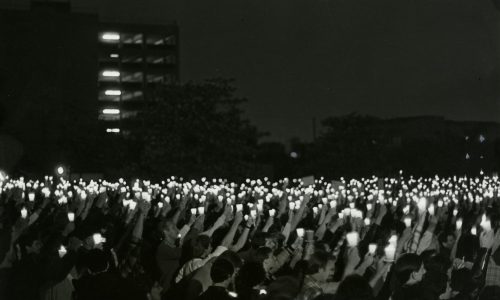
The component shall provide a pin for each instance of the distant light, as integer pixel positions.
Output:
(111, 36)
(111, 111)
(294, 155)
(110, 73)
(114, 55)
(112, 92)
(482, 138)
(113, 130)
(481, 157)
(467, 156)
(60, 170)
(3, 175)
(466, 137)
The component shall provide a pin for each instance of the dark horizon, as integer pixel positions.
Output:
(299, 60)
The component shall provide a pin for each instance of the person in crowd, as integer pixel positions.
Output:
(221, 273)
(408, 273)
(354, 287)
(384, 238)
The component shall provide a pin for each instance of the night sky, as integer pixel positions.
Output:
(299, 59)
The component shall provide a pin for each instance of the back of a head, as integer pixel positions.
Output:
(259, 240)
(354, 287)
(404, 267)
(461, 280)
(283, 288)
(233, 258)
(200, 245)
(250, 275)
(96, 261)
(490, 293)
(317, 261)
(221, 270)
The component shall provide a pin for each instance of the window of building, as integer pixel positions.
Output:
(132, 77)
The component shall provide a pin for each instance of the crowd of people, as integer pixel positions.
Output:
(369, 238)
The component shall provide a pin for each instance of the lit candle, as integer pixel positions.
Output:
(71, 217)
(24, 213)
(367, 222)
(62, 251)
(485, 223)
(272, 212)
(372, 248)
(473, 230)
(300, 232)
(390, 252)
(407, 222)
(239, 207)
(97, 238)
(333, 204)
(193, 211)
(431, 209)
(352, 239)
(201, 210)
(459, 224)
(31, 196)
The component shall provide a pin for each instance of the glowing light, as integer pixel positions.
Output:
(60, 170)
(372, 248)
(110, 36)
(110, 73)
(111, 111)
(114, 55)
(112, 92)
(113, 130)
(300, 232)
(352, 239)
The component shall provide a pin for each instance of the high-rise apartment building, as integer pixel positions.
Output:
(134, 60)
(68, 78)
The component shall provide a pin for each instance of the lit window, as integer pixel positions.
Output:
(482, 138)
(113, 130)
(110, 36)
(112, 92)
(110, 73)
(111, 111)
(114, 55)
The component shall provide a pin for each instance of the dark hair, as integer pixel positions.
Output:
(354, 287)
(262, 254)
(491, 292)
(200, 245)
(250, 275)
(461, 281)
(317, 261)
(404, 267)
(221, 270)
(96, 260)
(259, 240)
(233, 258)
(283, 288)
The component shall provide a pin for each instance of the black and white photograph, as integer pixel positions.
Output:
(249, 149)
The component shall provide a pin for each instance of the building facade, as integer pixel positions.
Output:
(69, 79)
(134, 60)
